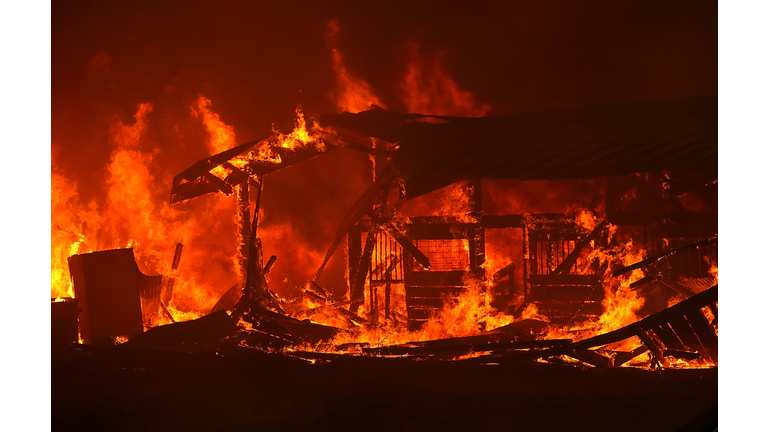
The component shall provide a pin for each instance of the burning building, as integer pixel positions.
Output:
(567, 251)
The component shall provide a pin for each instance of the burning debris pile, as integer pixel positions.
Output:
(604, 287)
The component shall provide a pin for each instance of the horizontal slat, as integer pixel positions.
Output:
(433, 278)
(566, 293)
(561, 309)
(433, 291)
(421, 312)
(564, 280)
(442, 231)
(436, 303)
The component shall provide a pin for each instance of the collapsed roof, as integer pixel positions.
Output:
(588, 142)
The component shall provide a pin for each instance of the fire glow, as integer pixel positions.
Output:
(134, 212)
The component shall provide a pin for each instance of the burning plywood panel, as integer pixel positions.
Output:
(113, 293)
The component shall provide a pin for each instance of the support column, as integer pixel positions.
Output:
(244, 230)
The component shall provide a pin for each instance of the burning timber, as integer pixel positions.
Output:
(429, 290)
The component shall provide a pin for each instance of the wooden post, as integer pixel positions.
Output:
(526, 263)
(354, 252)
(477, 242)
(166, 297)
(244, 216)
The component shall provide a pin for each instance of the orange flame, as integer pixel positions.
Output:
(353, 94)
(428, 89)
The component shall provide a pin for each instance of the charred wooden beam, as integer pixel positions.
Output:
(207, 164)
(704, 332)
(672, 284)
(667, 254)
(570, 260)
(683, 330)
(406, 243)
(591, 357)
(508, 270)
(320, 291)
(526, 264)
(167, 312)
(657, 350)
(667, 315)
(681, 354)
(362, 267)
(622, 358)
(168, 292)
(269, 264)
(236, 176)
(354, 253)
(362, 206)
(638, 283)
(444, 346)
(219, 184)
(668, 337)
(244, 218)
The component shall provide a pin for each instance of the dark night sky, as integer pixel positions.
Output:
(257, 60)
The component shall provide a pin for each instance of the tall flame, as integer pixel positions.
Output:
(353, 94)
(428, 89)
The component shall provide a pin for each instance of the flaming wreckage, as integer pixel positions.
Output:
(551, 309)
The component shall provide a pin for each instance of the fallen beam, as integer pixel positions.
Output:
(667, 254)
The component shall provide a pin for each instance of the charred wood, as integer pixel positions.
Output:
(504, 272)
(704, 332)
(667, 315)
(661, 256)
(570, 260)
(444, 346)
(354, 253)
(202, 334)
(591, 357)
(406, 243)
(681, 354)
(625, 357)
(360, 208)
(269, 264)
(657, 350)
(683, 329)
(168, 292)
(167, 312)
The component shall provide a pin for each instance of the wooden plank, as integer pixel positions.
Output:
(441, 231)
(436, 303)
(667, 315)
(562, 293)
(570, 260)
(564, 280)
(591, 357)
(418, 291)
(686, 334)
(509, 270)
(667, 254)
(519, 220)
(622, 358)
(406, 243)
(656, 349)
(421, 312)
(442, 346)
(361, 270)
(434, 278)
(354, 252)
(668, 337)
(704, 331)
